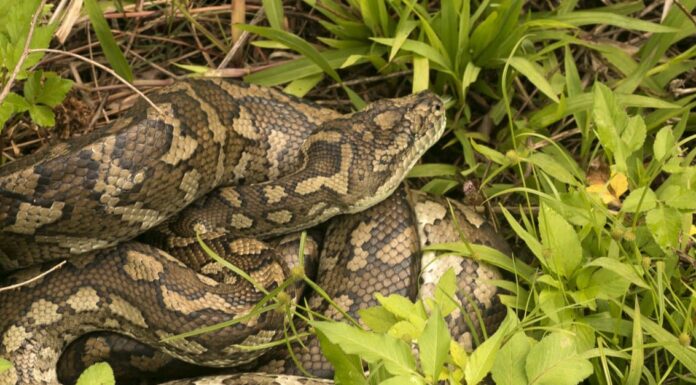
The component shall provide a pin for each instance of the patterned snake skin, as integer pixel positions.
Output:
(269, 164)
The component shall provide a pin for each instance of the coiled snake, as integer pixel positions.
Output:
(213, 157)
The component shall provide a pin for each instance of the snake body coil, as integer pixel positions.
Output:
(209, 157)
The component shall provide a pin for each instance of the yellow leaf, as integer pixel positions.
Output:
(692, 230)
(619, 184)
(604, 194)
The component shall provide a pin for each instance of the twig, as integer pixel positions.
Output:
(241, 41)
(686, 11)
(107, 69)
(24, 283)
(25, 53)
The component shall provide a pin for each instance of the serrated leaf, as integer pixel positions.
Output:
(445, 292)
(111, 49)
(508, 368)
(665, 225)
(434, 344)
(534, 74)
(639, 200)
(678, 197)
(404, 330)
(42, 115)
(395, 354)
(377, 318)
(97, 374)
(664, 143)
(560, 240)
(401, 307)
(634, 134)
(18, 102)
(53, 90)
(555, 361)
(609, 117)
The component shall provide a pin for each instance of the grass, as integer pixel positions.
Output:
(573, 119)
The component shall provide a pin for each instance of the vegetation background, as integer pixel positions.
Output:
(570, 124)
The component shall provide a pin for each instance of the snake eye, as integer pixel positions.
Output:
(438, 106)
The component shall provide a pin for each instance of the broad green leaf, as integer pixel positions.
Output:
(622, 269)
(609, 117)
(348, 368)
(295, 43)
(458, 354)
(377, 318)
(404, 330)
(18, 102)
(97, 374)
(402, 307)
(634, 134)
(32, 87)
(6, 112)
(639, 200)
(421, 74)
(434, 344)
(560, 240)
(602, 284)
(445, 292)
(665, 225)
(372, 347)
(4, 365)
(555, 361)
(508, 368)
(403, 380)
(111, 50)
(664, 143)
(274, 12)
(534, 74)
(481, 360)
(553, 168)
(678, 197)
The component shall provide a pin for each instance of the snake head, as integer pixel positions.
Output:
(392, 135)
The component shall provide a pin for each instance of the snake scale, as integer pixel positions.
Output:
(209, 156)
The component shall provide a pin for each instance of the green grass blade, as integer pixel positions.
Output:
(295, 43)
(581, 18)
(111, 50)
(274, 13)
(533, 73)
